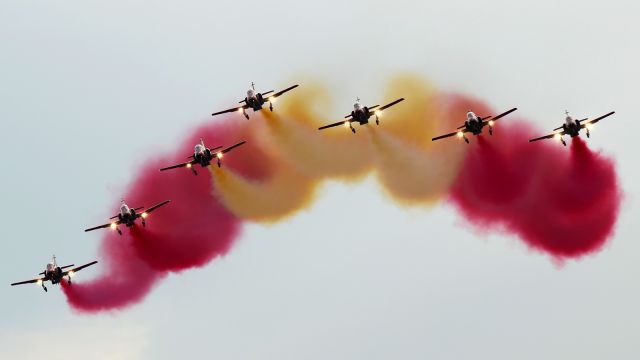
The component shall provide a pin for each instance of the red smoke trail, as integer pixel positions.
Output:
(194, 228)
(561, 201)
(125, 280)
(188, 232)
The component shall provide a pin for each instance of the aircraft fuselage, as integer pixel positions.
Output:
(474, 126)
(54, 275)
(204, 158)
(255, 101)
(362, 115)
(129, 218)
(572, 129)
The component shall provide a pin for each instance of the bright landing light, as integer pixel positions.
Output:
(589, 126)
(71, 273)
(219, 155)
(490, 122)
(189, 165)
(346, 124)
(240, 110)
(113, 225)
(272, 99)
(460, 134)
(144, 215)
(39, 282)
(557, 136)
(378, 113)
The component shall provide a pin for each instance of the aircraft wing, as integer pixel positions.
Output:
(237, 108)
(447, 135)
(264, 94)
(157, 206)
(550, 136)
(101, 226)
(390, 104)
(334, 124)
(283, 91)
(27, 281)
(503, 114)
(584, 124)
(80, 267)
(226, 150)
(178, 166)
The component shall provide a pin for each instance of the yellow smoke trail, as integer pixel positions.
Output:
(285, 192)
(332, 153)
(410, 174)
(415, 119)
(412, 169)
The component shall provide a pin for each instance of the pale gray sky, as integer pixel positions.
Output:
(90, 89)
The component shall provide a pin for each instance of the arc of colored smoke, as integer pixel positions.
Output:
(277, 173)
(411, 168)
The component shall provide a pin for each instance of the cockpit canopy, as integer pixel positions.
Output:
(51, 266)
(568, 120)
(124, 209)
(357, 106)
(198, 149)
(251, 93)
(471, 116)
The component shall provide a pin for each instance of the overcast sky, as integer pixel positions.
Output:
(89, 89)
